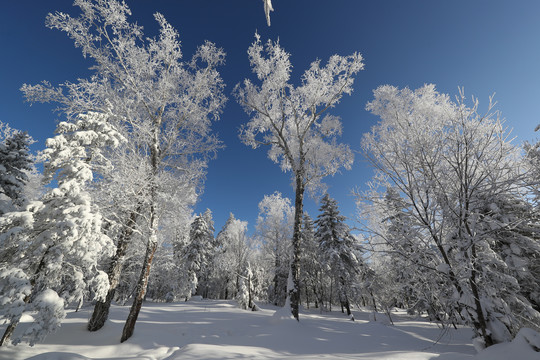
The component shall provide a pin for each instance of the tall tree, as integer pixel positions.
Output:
(59, 239)
(291, 121)
(450, 166)
(337, 247)
(200, 251)
(163, 103)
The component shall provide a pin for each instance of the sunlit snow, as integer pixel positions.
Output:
(210, 329)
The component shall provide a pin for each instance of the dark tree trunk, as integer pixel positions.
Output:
(276, 278)
(101, 309)
(294, 293)
(250, 300)
(129, 327)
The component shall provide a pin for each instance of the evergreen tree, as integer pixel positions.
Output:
(15, 162)
(337, 247)
(61, 239)
(311, 276)
(199, 252)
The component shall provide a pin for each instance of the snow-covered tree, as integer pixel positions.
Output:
(337, 247)
(274, 233)
(59, 240)
(199, 252)
(312, 271)
(234, 255)
(245, 289)
(291, 121)
(164, 104)
(451, 166)
(15, 163)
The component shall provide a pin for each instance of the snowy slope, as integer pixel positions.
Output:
(219, 330)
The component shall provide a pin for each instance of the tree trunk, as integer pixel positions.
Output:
(129, 327)
(294, 293)
(480, 322)
(11, 327)
(276, 278)
(101, 309)
(344, 298)
(151, 247)
(250, 300)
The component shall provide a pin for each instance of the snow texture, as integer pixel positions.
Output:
(197, 330)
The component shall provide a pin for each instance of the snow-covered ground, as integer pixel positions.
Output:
(203, 329)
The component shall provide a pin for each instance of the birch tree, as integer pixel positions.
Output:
(166, 104)
(454, 168)
(293, 122)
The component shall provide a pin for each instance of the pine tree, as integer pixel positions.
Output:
(311, 276)
(274, 232)
(61, 244)
(199, 252)
(15, 162)
(337, 247)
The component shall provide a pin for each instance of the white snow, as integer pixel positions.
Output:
(204, 329)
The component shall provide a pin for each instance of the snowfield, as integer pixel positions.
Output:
(208, 329)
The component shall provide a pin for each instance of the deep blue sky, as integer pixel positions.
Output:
(486, 46)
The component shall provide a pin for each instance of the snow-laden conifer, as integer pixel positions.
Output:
(337, 247)
(200, 250)
(15, 164)
(60, 238)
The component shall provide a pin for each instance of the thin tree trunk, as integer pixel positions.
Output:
(250, 301)
(294, 293)
(152, 244)
(480, 322)
(101, 309)
(11, 327)
(142, 284)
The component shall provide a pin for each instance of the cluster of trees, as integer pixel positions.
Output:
(450, 220)
(126, 167)
(452, 213)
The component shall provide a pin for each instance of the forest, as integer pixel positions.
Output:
(448, 227)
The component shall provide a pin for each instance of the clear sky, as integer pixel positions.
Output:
(486, 46)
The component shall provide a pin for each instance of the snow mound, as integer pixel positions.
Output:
(525, 346)
(282, 314)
